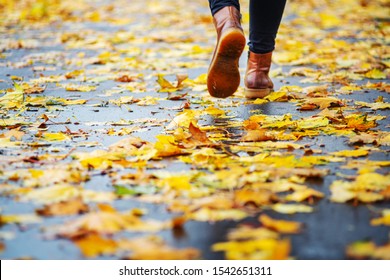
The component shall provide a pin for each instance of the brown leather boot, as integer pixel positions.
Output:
(223, 77)
(257, 82)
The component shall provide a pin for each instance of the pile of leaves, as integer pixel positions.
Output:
(102, 104)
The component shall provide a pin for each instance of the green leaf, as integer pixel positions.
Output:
(146, 189)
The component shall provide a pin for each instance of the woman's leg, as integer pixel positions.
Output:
(265, 17)
(223, 76)
(264, 21)
(216, 5)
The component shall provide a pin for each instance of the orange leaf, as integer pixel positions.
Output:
(198, 135)
(125, 79)
(258, 197)
(93, 245)
(256, 136)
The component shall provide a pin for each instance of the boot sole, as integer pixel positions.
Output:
(253, 93)
(223, 77)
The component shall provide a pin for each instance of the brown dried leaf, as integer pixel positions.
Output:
(125, 79)
(198, 135)
(69, 207)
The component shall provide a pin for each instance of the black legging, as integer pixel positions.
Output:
(264, 21)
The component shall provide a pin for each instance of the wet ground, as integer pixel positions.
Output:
(156, 40)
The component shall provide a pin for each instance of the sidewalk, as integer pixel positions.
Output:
(112, 148)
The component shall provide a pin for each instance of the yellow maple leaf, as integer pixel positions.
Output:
(56, 136)
(12, 99)
(73, 102)
(311, 123)
(375, 74)
(360, 249)
(7, 143)
(258, 101)
(324, 102)
(372, 181)
(147, 101)
(94, 245)
(166, 147)
(368, 197)
(166, 86)
(302, 195)
(291, 208)
(329, 20)
(214, 111)
(360, 122)
(73, 74)
(175, 181)
(245, 232)
(19, 219)
(12, 122)
(276, 96)
(81, 88)
(258, 197)
(213, 215)
(375, 105)
(183, 119)
(341, 191)
(366, 188)
(281, 226)
(256, 249)
(285, 57)
(64, 192)
(368, 250)
(351, 153)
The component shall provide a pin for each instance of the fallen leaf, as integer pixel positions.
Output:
(302, 195)
(323, 102)
(211, 215)
(57, 136)
(105, 221)
(12, 99)
(281, 226)
(351, 153)
(70, 207)
(368, 250)
(366, 188)
(94, 245)
(258, 197)
(166, 147)
(198, 135)
(375, 74)
(19, 219)
(291, 208)
(65, 192)
(81, 88)
(384, 220)
(375, 106)
(153, 248)
(256, 136)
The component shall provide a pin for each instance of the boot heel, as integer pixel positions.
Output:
(256, 93)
